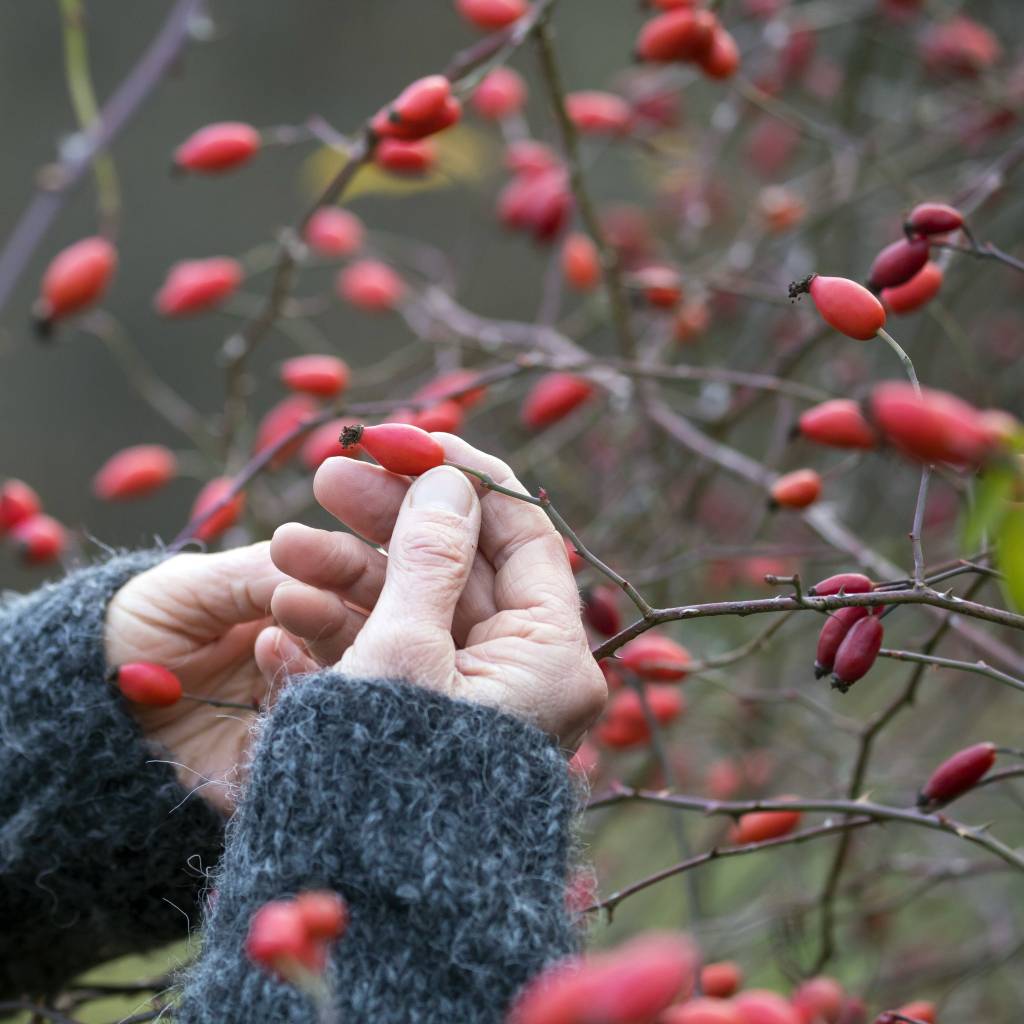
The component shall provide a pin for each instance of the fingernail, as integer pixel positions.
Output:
(444, 488)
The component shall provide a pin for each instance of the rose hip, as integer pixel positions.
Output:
(491, 14)
(216, 494)
(334, 232)
(798, 489)
(194, 286)
(898, 263)
(656, 658)
(500, 94)
(553, 397)
(371, 286)
(721, 980)
(857, 652)
(933, 219)
(843, 304)
(76, 278)
(283, 421)
(838, 423)
(143, 682)
(601, 610)
(915, 293)
(758, 826)
(39, 539)
(398, 447)
(135, 472)
(323, 375)
(218, 147)
(18, 502)
(956, 775)
(832, 634)
(842, 583)
(581, 263)
(411, 157)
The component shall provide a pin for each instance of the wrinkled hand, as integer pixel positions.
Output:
(199, 615)
(474, 599)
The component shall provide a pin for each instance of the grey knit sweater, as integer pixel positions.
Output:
(445, 825)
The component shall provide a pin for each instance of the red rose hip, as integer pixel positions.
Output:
(798, 489)
(843, 304)
(398, 447)
(832, 634)
(143, 682)
(656, 658)
(898, 263)
(221, 508)
(135, 472)
(322, 375)
(194, 286)
(857, 652)
(76, 278)
(218, 147)
(838, 423)
(18, 502)
(956, 775)
(553, 397)
(39, 539)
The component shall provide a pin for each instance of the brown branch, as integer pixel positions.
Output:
(617, 301)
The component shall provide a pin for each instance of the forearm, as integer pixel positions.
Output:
(101, 849)
(444, 824)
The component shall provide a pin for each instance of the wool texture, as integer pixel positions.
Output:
(444, 824)
(101, 854)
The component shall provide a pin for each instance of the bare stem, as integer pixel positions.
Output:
(904, 358)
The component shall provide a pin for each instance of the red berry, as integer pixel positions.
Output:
(819, 1001)
(143, 682)
(959, 46)
(576, 560)
(721, 980)
(491, 14)
(656, 658)
(847, 306)
(843, 582)
(39, 539)
(581, 263)
(400, 156)
(898, 263)
(553, 397)
(134, 472)
(371, 286)
(933, 426)
(838, 423)
(599, 113)
(758, 826)
(681, 34)
(920, 1010)
(218, 147)
(284, 420)
(956, 775)
(933, 219)
(446, 385)
(702, 1011)
(279, 942)
(913, 294)
(832, 634)
(798, 489)
(323, 913)
(422, 100)
(625, 725)
(334, 232)
(445, 417)
(760, 1006)
(528, 156)
(857, 652)
(193, 286)
(500, 94)
(691, 321)
(215, 494)
(601, 610)
(326, 376)
(398, 447)
(76, 278)
(659, 285)
(722, 60)
(322, 444)
(424, 107)
(538, 203)
(18, 502)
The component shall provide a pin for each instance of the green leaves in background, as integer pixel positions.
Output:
(997, 516)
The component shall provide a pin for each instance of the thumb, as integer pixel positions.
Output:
(430, 556)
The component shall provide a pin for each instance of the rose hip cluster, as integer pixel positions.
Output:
(658, 978)
(38, 538)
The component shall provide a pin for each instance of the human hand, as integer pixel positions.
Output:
(475, 597)
(199, 615)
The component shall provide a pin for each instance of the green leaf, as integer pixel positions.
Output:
(1011, 555)
(990, 505)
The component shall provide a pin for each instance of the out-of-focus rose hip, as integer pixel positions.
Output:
(218, 147)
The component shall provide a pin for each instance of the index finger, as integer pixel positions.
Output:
(516, 537)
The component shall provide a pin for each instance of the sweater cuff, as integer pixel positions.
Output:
(446, 825)
(101, 853)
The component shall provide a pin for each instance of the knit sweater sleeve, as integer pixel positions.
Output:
(444, 824)
(101, 853)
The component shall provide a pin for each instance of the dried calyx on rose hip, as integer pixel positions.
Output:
(956, 775)
(398, 447)
(144, 682)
